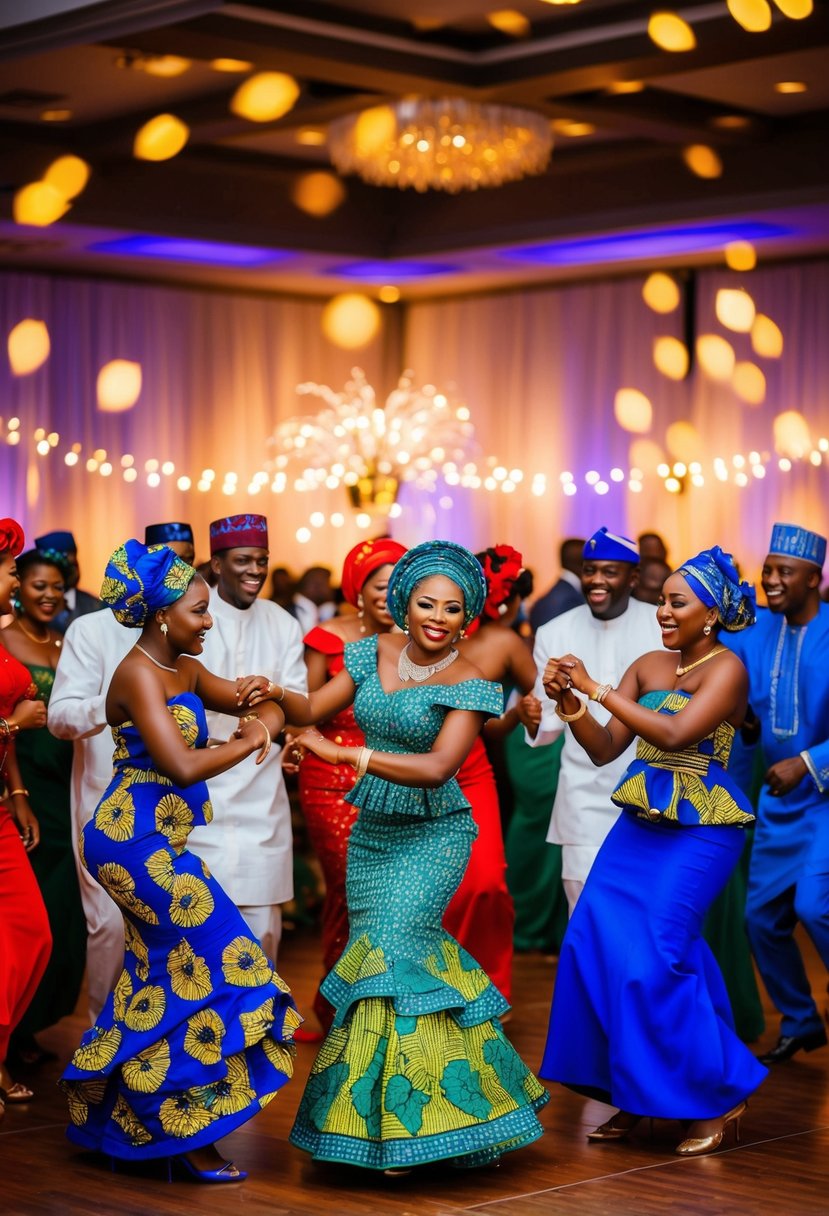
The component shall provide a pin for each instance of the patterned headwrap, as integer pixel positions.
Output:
(436, 557)
(502, 566)
(362, 561)
(12, 539)
(713, 578)
(140, 580)
(238, 532)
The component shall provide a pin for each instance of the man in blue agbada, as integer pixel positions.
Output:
(786, 655)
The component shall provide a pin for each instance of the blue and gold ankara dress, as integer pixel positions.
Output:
(416, 1067)
(641, 1017)
(195, 1037)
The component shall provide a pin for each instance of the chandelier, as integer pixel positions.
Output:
(441, 144)
(370, 448)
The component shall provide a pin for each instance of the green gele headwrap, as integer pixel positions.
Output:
(431, 558)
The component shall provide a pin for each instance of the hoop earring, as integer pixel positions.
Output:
(361, 613)
(164, 627)
(706, 630)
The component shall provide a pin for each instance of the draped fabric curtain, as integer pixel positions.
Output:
(538, 369)
(219, 372)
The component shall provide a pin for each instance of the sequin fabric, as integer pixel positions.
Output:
(416, 1067)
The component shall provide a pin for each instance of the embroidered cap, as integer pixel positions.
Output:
(164, 534)
(790, 540)
(64, 542)
(606, 546)
(238, 532)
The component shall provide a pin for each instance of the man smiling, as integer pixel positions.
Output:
(249, 846)
(609, 632)
(785, 654)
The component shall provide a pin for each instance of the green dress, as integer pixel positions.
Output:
(416, 1067)
(46, 769)
(533, 865)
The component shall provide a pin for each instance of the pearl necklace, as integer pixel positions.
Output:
(163, 666)
(407, 669)
(681, 671)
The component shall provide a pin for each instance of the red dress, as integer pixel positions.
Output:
(481, 913)
(329, 818)
(25, 940)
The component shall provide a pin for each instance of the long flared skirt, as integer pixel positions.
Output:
(641, 1017)
(416, 1067)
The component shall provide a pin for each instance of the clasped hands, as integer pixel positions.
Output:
(567, 674)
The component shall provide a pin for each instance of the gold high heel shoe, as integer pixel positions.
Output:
(618, 1127)
(697, 1146)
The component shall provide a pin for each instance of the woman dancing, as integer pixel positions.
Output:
(194, 1039)
(416, 1067)
(25, 940)
(46, 770)
(323, 786)
(640, 1015)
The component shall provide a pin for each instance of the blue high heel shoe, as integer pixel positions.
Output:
(225, 1173)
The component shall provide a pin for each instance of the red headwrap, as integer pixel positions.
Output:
(363, 560)
(501, 571)
(11, 537)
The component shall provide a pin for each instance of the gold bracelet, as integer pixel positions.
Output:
(582, 710)
(14, 793)
(600, 692)
(258, 720)
(363, 757)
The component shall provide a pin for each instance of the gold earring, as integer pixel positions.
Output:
(361, 613)
(164, 628)
(706, 630)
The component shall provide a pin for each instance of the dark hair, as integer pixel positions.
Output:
(42, 557)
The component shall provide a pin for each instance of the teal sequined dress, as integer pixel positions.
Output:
(196, 1036)
(416, 1067)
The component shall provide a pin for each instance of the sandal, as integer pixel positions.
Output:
(16, 1092)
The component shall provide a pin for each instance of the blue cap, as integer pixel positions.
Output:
(789, 540)
(63, 542)
(164, 534)
(605, 546)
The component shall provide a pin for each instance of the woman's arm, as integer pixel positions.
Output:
(602, 743)
(138, 695)
(720, 696)
(320, 704)
(518, 669)
(27, 824)
(227, 696)
(427, 770)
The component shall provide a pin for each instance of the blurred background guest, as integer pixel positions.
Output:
(76, 602)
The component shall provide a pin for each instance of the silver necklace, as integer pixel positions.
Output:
(163, 666)
(408, 670)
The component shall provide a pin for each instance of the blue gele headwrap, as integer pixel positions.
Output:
(63, 542)
(790, 540)
(605, 546)
(436, 557)
(164, 534)
(713, 578)
(140, 580)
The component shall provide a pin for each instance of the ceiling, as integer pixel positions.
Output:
(615, 198)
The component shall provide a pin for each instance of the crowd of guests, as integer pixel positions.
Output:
(580, 777)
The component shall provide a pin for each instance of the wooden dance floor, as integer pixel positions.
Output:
(781, 1168)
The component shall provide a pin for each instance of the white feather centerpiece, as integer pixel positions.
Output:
(417, 434)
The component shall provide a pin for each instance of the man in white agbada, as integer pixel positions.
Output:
(249, 845)
(93, 647)
(609, 632)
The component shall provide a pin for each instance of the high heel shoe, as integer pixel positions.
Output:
(618, 1127)
(226, 1173)
(697, 1146)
